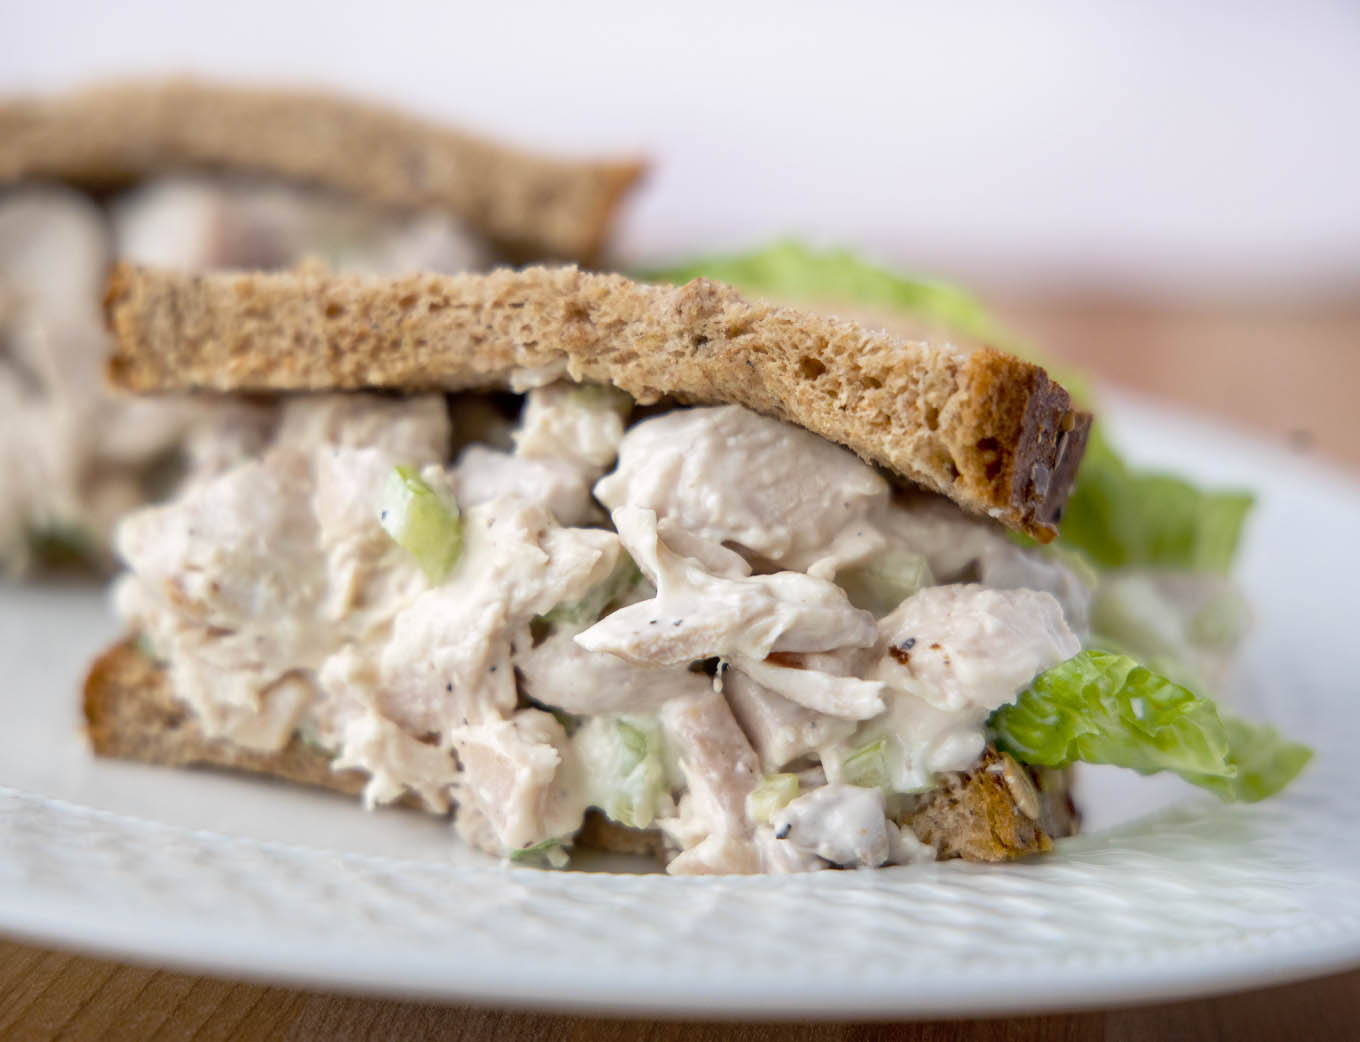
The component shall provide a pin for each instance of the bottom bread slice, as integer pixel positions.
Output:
(996, 811)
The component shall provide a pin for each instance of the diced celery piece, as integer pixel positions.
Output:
(421, 522)
(634, 742)
(868, 767)
(774, 791)
(590, 607)
(881, 584)
(625, 767)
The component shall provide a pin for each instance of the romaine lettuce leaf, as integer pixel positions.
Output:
(1121, 517)
(1099, 707)
(1266, 762)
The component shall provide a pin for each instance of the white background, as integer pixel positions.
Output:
(1173, 145)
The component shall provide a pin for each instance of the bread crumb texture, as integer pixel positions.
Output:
(989, 430)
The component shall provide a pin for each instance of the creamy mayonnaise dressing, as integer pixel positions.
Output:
(544, 673)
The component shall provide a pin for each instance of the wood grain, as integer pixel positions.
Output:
(1288, 371)
(47, 995)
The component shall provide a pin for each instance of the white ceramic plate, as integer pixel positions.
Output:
(247, 878)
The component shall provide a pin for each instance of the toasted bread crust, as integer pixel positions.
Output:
(600, 833)
(132, 714)
(528, 206)
(990, 431)
(995, 811)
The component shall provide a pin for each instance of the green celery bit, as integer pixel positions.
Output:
(590, 607)
(773, 792)
(634, 742)
(421, 522)
(625, 767)
(1100, 707)
(883, 583)
(868, 767)
(536, 853)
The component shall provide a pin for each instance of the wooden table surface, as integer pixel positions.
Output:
(1289, 371)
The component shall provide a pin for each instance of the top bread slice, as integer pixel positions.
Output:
(992, 432)
(528, 206)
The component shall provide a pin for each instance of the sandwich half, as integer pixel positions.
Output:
(201, 176)
(592, 562)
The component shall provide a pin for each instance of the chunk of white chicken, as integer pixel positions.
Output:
(824, 683)
(948, 656)
(556, 485)
(696, 614)
(396, 762)
(71, 455)
(728, 475)
(447, 661)
(520, 781)
(845, 825)
(200, 222)
(958, 548)
(229, 579)
(781, 731)
(413, 429)
(580, 424)
(962, 645)
(720, 770)
(277, 563)
(559, 672)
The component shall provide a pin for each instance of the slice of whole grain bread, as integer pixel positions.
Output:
(992, 432)
(132, 714)
(995, 811)
(527, 205)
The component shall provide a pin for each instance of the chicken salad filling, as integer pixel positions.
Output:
(706, 622)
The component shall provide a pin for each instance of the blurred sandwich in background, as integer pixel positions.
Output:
(200, 176)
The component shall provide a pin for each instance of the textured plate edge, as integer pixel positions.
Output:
(882, 999)
(1163, 975)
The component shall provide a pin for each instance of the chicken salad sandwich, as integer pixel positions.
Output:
(592, 562)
